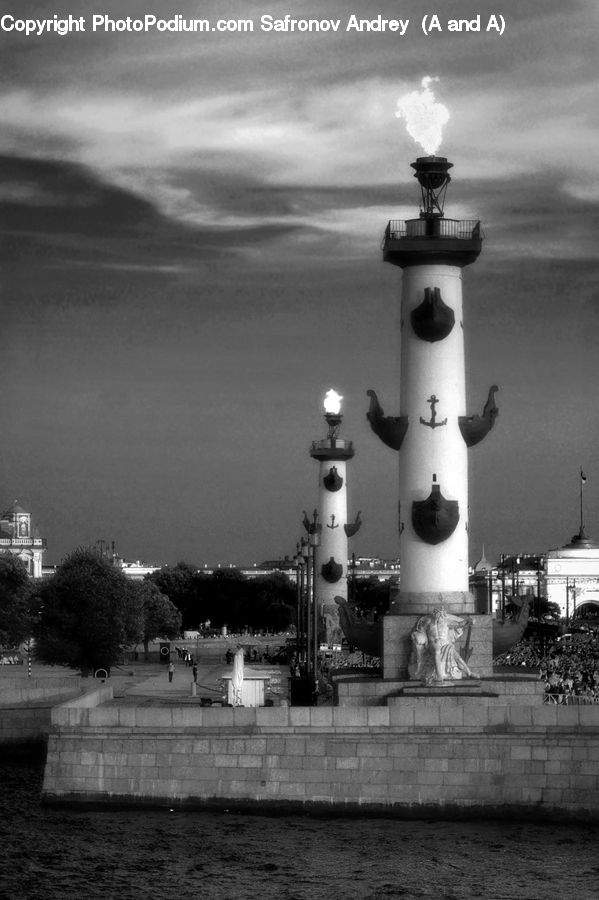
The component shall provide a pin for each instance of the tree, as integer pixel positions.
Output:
(227, 597)
(90, 613)
(273, 602)
(372, 597)
(540, 608)
(16, 614)
(161, 618)
(180, 584)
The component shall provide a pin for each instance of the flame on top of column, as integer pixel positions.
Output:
(424, 117)
(332, 402)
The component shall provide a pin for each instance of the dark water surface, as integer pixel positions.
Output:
(56, 854)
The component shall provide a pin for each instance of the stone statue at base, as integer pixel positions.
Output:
(435, 657)
(334, 632)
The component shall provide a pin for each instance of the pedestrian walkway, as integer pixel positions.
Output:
(148, 683)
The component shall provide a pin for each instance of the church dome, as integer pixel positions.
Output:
(483, 565)
(14, 510)
(579, 545)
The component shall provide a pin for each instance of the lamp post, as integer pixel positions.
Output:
(352, 584)
(503, 587)
(301, 636)
(314, 543)
(309, 545)
(297, 559)
(307, 591)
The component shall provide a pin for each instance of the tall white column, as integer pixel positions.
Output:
(433, 452)
(433, 449)
(432, 435)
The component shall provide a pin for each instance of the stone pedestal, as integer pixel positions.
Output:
(253, 689)
(460, 603)
(397, 645)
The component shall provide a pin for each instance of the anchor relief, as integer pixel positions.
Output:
(432, 422)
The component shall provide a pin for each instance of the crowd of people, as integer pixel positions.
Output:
(10, 659)
(568, 665)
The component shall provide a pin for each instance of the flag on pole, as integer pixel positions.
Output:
(583, 478)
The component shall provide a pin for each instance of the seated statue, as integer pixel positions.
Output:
(435, 657)
(334, 632)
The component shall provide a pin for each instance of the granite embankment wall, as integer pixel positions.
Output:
(26, 706)
(441, 756)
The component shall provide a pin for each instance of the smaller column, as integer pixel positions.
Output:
(332, 553)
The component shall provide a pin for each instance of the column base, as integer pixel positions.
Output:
(422, 602)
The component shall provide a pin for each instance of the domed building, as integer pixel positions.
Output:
(572, 577)
(567, 576)
(17, 536)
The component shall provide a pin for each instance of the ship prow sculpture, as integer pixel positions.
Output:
(510, 631)
(368, 636)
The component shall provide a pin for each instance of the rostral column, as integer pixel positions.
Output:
(333, 455)
(432, 434)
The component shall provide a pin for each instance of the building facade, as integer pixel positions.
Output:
(19, 538)
(567, 576)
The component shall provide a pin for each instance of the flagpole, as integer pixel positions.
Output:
(582, 481)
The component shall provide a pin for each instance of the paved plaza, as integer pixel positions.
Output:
(148, 683)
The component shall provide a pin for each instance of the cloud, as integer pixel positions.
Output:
(203, 132)
(61, 213)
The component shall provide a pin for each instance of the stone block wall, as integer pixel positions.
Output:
(28, 690)
(371, 691)
(26, 705)
(411, 757)
(23, 724)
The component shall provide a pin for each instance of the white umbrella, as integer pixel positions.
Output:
(237, 679)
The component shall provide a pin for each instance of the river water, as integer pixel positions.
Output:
(49, 853)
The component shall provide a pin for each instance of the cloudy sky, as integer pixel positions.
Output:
(191, 227)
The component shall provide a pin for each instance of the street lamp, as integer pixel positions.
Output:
(570, 592)
(313, 529)
(306, 606)
(300, 586)
(503, 587)
(352, 584)
(314, 540)
(539, 566)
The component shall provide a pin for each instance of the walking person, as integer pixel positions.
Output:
(171, 671)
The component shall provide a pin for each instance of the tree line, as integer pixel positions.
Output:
(88, 612)
(228, 597)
